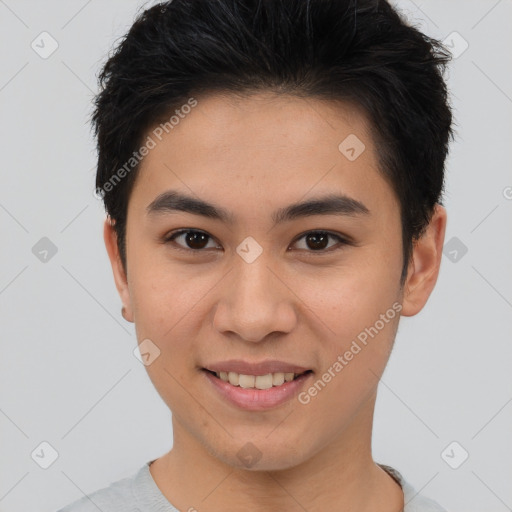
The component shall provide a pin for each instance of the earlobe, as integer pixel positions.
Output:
(121, 281)
(425, 263)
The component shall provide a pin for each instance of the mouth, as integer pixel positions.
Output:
(260, 382)
(256, 385)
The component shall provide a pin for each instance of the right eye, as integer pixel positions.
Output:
(194, 239)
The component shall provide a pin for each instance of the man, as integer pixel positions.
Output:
(272, 173)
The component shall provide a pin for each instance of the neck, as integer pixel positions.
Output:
(340, 471)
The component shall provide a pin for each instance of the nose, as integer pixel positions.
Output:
(255, 302)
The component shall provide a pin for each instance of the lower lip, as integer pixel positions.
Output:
(258, 399)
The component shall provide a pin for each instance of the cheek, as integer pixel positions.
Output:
(166, 303)
(351, 298)
(360, 306)
(352, 364)
(171, 309)
(162, 291)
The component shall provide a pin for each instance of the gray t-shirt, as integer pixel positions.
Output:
(139, 493)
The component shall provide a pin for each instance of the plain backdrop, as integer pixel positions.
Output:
(68, 376)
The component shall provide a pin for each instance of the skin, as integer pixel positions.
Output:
(253, 156)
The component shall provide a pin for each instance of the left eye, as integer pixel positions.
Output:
(316, 241)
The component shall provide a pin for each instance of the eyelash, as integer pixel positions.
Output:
(341, 240)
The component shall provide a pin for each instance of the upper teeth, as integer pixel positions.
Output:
(256, 381)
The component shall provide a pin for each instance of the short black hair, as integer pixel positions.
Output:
(362, 52)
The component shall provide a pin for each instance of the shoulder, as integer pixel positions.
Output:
(413, 500)
(117, 497)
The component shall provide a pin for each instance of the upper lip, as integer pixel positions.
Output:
(260, 368)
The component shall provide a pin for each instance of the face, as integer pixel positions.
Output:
(253, 277)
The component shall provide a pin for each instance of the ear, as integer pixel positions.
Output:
(110, 237)
(424, 266)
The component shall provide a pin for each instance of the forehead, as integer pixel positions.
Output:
(264, 145)
(228, 121)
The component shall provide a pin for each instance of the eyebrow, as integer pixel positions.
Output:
(172, 201)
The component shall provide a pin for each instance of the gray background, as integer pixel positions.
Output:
(68, 375)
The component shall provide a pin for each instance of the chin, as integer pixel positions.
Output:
(252, 454)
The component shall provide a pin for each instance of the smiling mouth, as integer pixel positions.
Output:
(270, 380)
